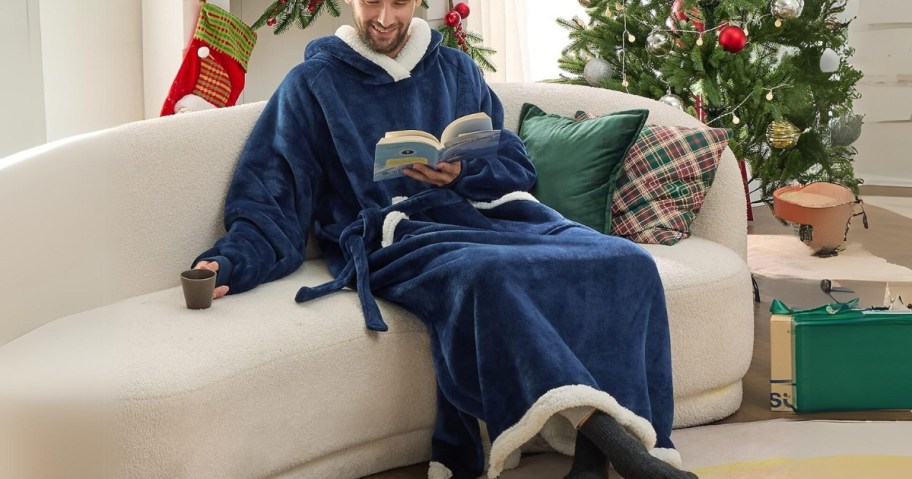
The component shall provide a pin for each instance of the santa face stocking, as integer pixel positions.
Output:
(212, 73)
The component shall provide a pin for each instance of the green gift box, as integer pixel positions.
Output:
(839, 357)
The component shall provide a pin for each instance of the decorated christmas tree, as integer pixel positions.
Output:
(774, 71)
(281, 15)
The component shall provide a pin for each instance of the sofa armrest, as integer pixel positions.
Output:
(112, 214)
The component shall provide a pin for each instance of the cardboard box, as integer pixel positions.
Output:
(840, 358)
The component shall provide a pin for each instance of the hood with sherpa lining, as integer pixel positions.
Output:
(377, 68)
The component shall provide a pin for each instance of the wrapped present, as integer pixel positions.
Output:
(840, 357)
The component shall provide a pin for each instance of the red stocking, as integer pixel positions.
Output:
(212, 74)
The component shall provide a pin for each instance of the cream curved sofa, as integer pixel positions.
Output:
(104, 373)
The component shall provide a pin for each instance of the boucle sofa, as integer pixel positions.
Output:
(103, 372)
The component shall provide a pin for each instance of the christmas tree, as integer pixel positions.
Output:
(774, 71)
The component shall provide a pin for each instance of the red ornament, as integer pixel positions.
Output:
(452, 18)
(462, 9)
(311, 7)
(732, 38)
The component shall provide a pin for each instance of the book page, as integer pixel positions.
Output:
(466, 124)
(401, 133)
(479, 144)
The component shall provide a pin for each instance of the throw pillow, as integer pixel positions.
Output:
(664, 180)
(578, 163)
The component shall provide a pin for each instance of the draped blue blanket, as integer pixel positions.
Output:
(528, 313)
(514, 314)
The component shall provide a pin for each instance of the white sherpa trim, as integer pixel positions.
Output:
(551, 403)
(437, 470)
(401, 67)
(671, 456)
(514, 196)
(190, 103)
(390, 222)
(398, 199)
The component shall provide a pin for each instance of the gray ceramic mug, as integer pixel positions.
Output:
(198, 285)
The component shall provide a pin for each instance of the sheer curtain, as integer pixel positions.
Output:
(528, 40)
(502, 24)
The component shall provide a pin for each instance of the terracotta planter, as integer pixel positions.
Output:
(825, 207)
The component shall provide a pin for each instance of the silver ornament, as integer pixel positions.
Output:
(586, 3)
(672, 100)
(597, 71)
(659, 42)
(845, 129)
(787, 9)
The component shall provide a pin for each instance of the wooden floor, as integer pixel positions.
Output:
(889, 237)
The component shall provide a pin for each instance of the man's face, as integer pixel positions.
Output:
(383, 24)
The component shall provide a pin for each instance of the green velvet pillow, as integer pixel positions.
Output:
(578, 163)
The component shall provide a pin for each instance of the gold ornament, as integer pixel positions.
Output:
(782, 134)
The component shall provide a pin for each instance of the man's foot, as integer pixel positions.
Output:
(626, 453)
(589, 462)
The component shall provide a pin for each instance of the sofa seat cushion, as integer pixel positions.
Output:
(710, 315)
(252, 386)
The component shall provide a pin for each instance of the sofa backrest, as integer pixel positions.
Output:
(100, 217)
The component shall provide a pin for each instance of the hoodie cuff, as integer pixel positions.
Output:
(225, 268)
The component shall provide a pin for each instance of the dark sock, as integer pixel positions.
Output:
(589, 462)
(626, 453)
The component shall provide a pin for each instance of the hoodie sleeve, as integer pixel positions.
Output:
(272, 194)
(485, 179)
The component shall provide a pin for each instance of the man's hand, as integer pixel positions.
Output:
(219, 291)
(445, 173)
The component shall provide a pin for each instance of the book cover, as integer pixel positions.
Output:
(467, 137)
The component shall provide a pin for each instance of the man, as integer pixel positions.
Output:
(533, 319)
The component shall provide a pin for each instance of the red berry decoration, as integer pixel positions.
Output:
(452, 19)
(311, 7)
(462, 9)
(732, 38)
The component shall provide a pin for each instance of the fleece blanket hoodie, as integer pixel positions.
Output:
(528, 313)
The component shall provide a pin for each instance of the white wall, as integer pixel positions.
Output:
(882, 38)
(21, 86)
(92, 63)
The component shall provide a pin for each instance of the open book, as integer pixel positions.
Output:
(470, 136)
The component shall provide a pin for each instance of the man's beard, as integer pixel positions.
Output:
(364, 32)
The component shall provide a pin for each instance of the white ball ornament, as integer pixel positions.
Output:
(596, 71)
(829, 61)
(671, 99)
(202, 52)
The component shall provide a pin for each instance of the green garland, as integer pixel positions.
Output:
(283, 14)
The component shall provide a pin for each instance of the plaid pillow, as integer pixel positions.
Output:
(665, 177)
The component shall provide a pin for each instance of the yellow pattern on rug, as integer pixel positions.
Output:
(830, 467)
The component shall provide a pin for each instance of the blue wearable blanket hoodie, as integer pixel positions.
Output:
(528, 313)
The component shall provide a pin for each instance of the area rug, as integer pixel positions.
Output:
(785, 256)
(789, 449)
(894, 204)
